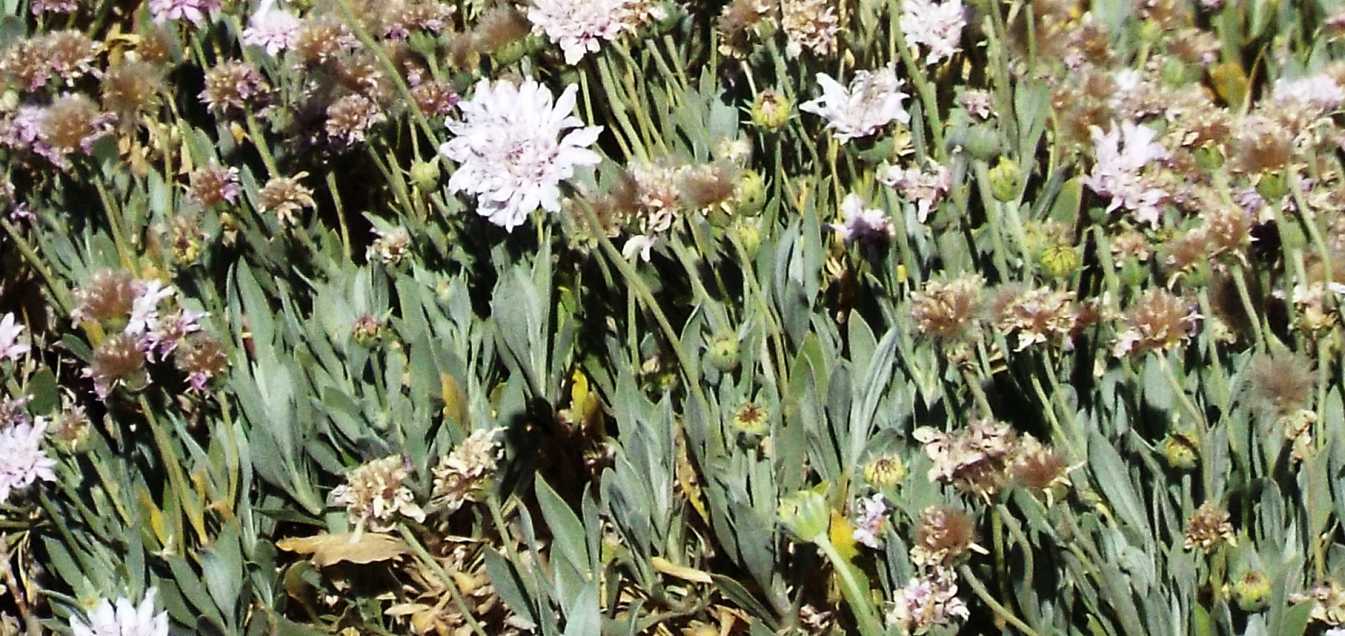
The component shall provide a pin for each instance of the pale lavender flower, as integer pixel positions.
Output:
(126, 619)
(1122, 153)
(926, 188)
(272, 29)
(168, 332)
(872, 101)
(928, 601)
(23, 461)
(869, 525)
(39, 7)
(1318, 92)
(10, 345)
(145, 308)
(194, 11)
(638, 245)
(937, 26)
(513, 149)
(867, 225)
(578, 26)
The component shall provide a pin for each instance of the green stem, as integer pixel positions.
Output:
(995, 606)
(856, 594)
(449, 583)
(340, 213)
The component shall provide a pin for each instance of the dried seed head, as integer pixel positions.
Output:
(213, 184)
(1229, 230)
(435, 99)
(466, 473)
(1158, 321)
(361, 73)
(233, 87)
(499, 27)
(739, 22)
(107, 298)
(885, 471)
(1186, 252)
(1262, 146)
(945, 310)
(943, 535)
(1282, 381)
(1328, 602)
(401, 18)
(1209, 527)
(1038, 467)
(1041, 315)
(391, 247)
(974, 459)
(72, 123)
(155, 46)
(286, 197)
(202, 357)
(351, 117)
(374, 495)
(118, 361)
(131, 88)
(321, 39)
(69, 54)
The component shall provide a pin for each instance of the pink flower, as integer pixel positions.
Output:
(193, 11)
(272, 29)
(869, 525)
(1122, 153)
(924, 187)
(24, 462)
(937, 26)
(871, 101)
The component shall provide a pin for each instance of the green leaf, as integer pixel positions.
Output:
(566, 530)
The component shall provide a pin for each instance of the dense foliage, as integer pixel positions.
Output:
(637, 316)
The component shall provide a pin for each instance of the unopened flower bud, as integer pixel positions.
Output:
(425, 174)
(723, 352)
(885, 472)
(1180, 452)
(368, 330)
(771, 110)
(982, 142)
(749, 196)
(1059, 261)
(1209, 157)
(1251, 591)
(747, 232)
(1005, 180)
(805, 515)
(1272, 186)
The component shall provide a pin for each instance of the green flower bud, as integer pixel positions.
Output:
(1175, 72)
(1251, 591)
(885, 471)
(749, 196)
(1272, 186)
(771, 110)
(511, 52)
(367, 331)
(751, 419)
(1005, 180)
(747, 232)
(722, 353)
(805, 514)
(1180, 452)
(982, 142)
(1059, 261)
(9, 101)
(425, 174)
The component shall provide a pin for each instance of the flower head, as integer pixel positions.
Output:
(272, 29)
(1209, 527)
(945, 309)
(872, 101)
(125, 619)
(943, 535)
(23, 461)
(926, 188)
(578, 26)
(232, 86)
(927, 601)
(286, 197)
(862, 225)
(1158, 321)
(809, 24)
(869, 524)
(193, 11)
(465, 473)
(374, 495)
(513, 148)
(10, 346)
(974, 459)
(1121, 154)
(937, 26)
(213, 184)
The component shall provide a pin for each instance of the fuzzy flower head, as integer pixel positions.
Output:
(350, 118)
(125, 619)
(232, 87)
(943, 535)
(272, 29)
(1208, 528)
(10, 345)
(946, 309)
(1319, 93)
(926, 188)
(810, 25)
(374, 495)
(928, 601)
(286, 197)
(1328, 602)
(1158, 321)
(863, 225)
(974, 459)
(514, 145)
(1038, 316)
(873, 100)
(936, 26)
(23, 462)
(1121, 155)
(579, 27)
(466, 472)
(213, 184)
(193, 11)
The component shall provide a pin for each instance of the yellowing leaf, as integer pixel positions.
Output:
(1230, 82)
(680, 571)
(455, 403)
(687, 479)
(842, 535)
(327, 549)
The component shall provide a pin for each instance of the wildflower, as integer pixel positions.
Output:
(510, 151)
(1208, 527)
(272, 29)
(23, 461)
(321, 40)
(406, 16)
(40, 7)
(10, 346)
(107, 298)
(375, 497)
(213, 184)
(928, 601)
(1158, 321)
(639, 245)
(937, 26)
(979, 103)
(944, 309)
(232, 86)
(751, 419)
(349, 118)
(1038, 316)
(1282, 381)
(465, 474)
(943, 535)
(1328, 602)
(1116, 173)
(1319, 93)
(72, 124)
(367, 330)
(578, 26)
(1314, 315)
(286, 197)
(145, 308)
(771, 110)
(130, 88)
(202, 358)
(501, 26)
(1180, 451)
(739, 21)
(872, 101)
(68, 55)
(118, 361)
(810, 25)
(885, 471)
(391, 247)
(71, 427)
(167, 333)
(862, 225)
(1251, 591)
(126, 618)
(708, 186)
(926, 188)
(869, 525)
(974, 460)
(194, 11)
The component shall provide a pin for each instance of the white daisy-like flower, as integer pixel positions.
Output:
(862, 224)
(10, 345)
(145, 308)
(514, 145)
(272, 29)
(126, 619)
(1121, 155)
(578, 26)
(23, 461)
(872, 101)
(937, 26)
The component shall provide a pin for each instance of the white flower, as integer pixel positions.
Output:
(1320, 92)
(578, 26)
(23, 461)
(638, 245)
(125, 620)
(1122, 153)
(935, 25)
(861, 224)
(145, 309)
(925, 187)
(869, 525)
(872, 101)
(513, 150)
(10, 347)
(272, 29)
(927, 601)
